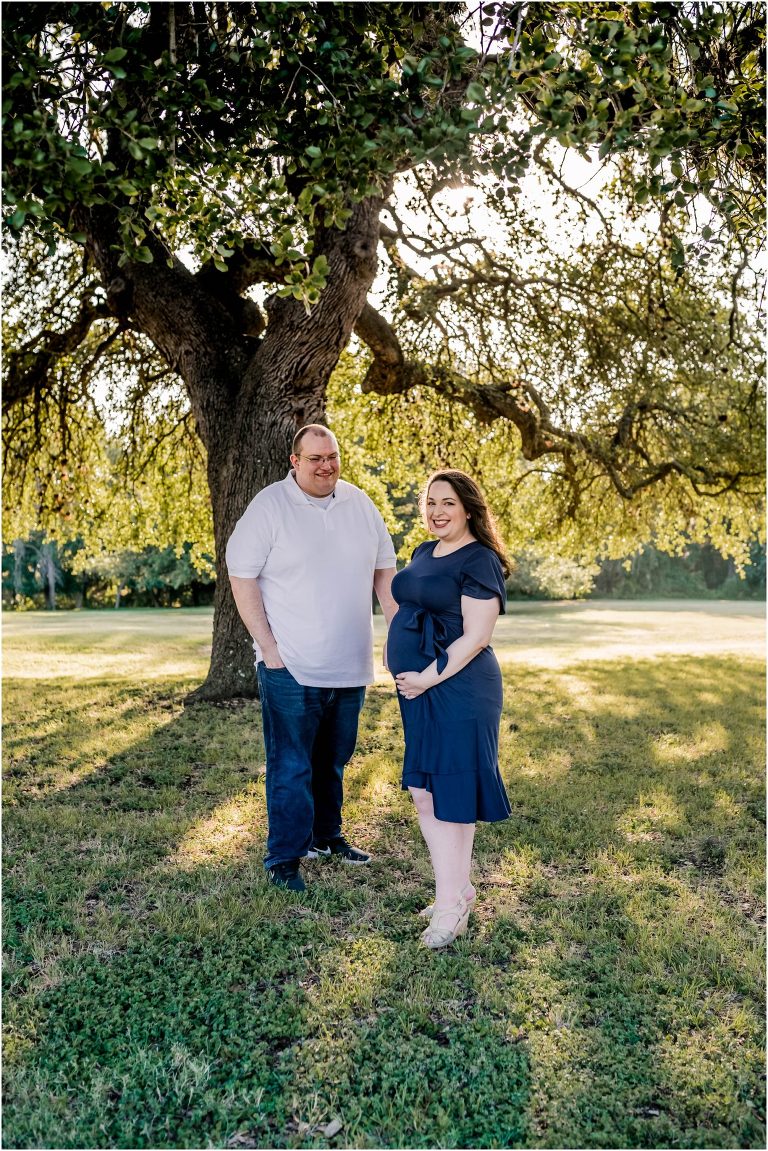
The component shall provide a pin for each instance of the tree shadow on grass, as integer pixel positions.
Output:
(627, 888)
(162, 996)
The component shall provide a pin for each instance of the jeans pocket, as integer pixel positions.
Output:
(261, 666)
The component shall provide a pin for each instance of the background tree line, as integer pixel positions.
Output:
(42, 573)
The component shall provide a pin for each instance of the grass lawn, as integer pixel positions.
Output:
(608, 994)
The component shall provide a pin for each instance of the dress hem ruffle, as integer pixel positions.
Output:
(479, 795)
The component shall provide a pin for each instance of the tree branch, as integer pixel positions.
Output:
(620, 456)
(390, 373)
(28, 370)
(198, 336)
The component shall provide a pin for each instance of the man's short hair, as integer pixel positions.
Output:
(320, 429)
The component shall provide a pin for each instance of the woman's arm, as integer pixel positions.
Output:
(479, 616)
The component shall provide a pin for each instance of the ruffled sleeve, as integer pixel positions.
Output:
(482, 576)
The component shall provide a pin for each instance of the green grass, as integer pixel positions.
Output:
(157, 994)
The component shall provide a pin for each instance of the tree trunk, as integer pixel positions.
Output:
(232, 672)
(47, 568)
(51, 586)
(19, 553)
(249, 435)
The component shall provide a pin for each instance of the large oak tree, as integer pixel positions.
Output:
(226, 167)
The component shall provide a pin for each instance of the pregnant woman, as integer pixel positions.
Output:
(449, 687)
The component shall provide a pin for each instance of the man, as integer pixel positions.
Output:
(302, 561)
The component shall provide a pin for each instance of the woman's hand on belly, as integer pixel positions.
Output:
(410, 684)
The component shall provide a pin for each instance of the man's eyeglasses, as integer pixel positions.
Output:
(333, 458)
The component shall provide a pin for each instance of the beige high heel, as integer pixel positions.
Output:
(428, 911)
(437, 936)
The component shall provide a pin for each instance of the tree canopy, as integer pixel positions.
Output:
(232, 127)
(228, 171)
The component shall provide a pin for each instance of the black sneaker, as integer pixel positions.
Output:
(286, 875)
(338, 846)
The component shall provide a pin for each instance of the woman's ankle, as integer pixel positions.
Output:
(465, 895)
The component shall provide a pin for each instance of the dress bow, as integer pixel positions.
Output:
(434, 636)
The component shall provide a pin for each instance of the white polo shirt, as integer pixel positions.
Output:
(315, 570)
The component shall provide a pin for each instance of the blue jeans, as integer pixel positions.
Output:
(309, 735)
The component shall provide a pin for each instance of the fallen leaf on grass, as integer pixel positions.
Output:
(242, 1139)
(328, 1130)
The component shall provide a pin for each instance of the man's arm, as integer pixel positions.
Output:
(382, 585)
(250, 605)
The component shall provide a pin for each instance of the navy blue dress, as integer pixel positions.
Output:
(451, 730)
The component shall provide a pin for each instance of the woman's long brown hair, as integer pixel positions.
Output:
(481, 521)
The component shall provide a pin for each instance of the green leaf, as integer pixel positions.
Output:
(113, 55)
(475, 92)
(143, 255)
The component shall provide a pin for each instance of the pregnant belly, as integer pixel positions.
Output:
(404, 647)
